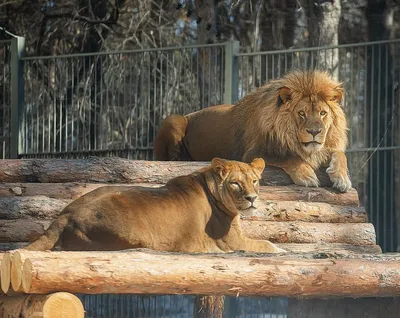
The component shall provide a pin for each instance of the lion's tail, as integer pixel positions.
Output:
(168, 141)
(51, 236)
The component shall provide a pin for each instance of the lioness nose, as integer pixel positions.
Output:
(251, 198)
(314, 132)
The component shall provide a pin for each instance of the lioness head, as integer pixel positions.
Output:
(237, 183)
(309, 105)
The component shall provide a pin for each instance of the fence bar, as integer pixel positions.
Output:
(231, 72)
(17, 49)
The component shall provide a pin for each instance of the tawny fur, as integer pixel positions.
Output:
(194, 213)
(267, 123)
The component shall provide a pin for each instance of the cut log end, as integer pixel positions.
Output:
(5, 272)
(16, 271)
(27, 276)
(58, 304)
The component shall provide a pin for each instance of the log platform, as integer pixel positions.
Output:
(332, 247)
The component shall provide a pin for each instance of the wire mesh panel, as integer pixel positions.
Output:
(111, 104)
(370, 73)
(178, 306)
(5, 98)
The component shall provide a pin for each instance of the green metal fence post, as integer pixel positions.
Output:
(231, 72)
(17, 92)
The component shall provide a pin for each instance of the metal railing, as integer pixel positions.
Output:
(111, 104)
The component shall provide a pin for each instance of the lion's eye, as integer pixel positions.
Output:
(302, 114)
(235, 184)
(323, 113)
(255, 182)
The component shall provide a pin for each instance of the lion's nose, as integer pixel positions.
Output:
(314, 132)
(251, 198)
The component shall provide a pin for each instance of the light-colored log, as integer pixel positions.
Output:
(332, 248)
(279, 232)
(59, 304)
(73, 190)
(5, 272)
(42, 207)
(228, 274)
(117, 170)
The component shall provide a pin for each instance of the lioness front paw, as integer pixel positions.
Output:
(280, 250)
(304, 176)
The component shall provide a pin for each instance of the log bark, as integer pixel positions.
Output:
(279, 232)
(42, 207)
(117, 170)
(168, 273)
(73, 190)
(47, 306)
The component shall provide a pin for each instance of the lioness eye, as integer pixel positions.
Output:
(302, 113)
(255, 181)
(235, 184)
(322, 113)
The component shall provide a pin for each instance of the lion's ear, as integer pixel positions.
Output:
(258, 164)
(284, 95)
(218, 165)
(337, 95)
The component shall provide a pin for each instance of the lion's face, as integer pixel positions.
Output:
(310, 115)
(313, 119)
(238, 183)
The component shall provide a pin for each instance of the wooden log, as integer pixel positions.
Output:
(5, 272)
(47, 306)
(279, 232)
(305, 232)
(74, 190)
(117, 170)
(42, 207)
(233, 275)
(345, 307)
(338, 248)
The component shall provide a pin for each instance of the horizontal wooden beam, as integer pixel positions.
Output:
(330, 248)
(117, 170)
(27, 230)
(73, 190)
(43, 207)
(140, 272)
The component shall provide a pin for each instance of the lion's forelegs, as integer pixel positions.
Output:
(338, 172)
(261, 246)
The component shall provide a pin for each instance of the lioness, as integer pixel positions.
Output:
(194, 213)
(295, 123)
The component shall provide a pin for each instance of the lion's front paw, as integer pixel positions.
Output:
(280, 250)
(340, 180)
(304, 176)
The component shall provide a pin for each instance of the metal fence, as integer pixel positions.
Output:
(111, 103)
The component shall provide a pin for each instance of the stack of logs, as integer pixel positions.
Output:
(332, 245)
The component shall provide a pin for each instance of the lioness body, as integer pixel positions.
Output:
(195, 213)
(295, 123)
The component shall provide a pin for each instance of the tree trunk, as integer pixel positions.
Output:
(228, 274)
(73, 190)
(118, 170)
(27, 230)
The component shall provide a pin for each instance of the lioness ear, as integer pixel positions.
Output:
(258, 164)
(219, 167)
(337, 95)
(284, 95)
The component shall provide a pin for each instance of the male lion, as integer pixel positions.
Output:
(295, 123)
(194, 213)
